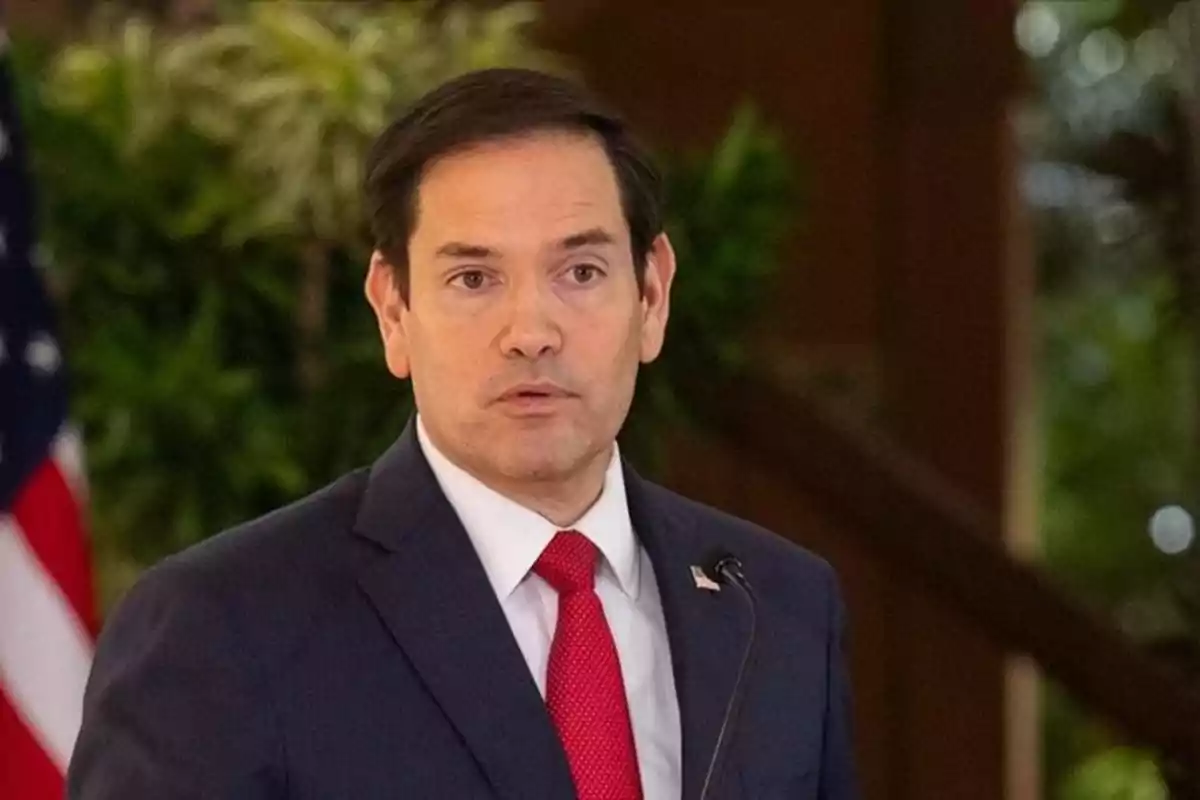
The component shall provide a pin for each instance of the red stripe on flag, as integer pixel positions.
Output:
(49, 515)
(26, 772)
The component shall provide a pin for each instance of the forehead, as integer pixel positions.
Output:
(546, 184)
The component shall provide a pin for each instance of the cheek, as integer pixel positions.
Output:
(612, 355)
(447, 365)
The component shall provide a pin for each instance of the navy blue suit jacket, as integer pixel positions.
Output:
(350, 647)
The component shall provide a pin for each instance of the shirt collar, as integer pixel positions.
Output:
(509, 537)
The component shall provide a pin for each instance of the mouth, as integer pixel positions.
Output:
(535, 392)
(534, 398)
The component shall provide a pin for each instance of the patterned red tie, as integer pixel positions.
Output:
(584, 690)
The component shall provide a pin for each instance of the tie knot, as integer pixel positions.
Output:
(568, 563)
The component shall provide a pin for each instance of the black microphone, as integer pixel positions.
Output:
(728, 571)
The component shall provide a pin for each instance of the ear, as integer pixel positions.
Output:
(656, 297)
(383, 294)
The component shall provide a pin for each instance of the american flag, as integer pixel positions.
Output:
(47, 616)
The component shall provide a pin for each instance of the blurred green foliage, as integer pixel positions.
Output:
(1119, 439)
(1120, 433)
(1119, 774)
(198, 187)
(1119, 327)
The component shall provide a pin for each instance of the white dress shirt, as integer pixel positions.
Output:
(509, 539)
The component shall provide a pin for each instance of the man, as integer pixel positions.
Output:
(499, 607)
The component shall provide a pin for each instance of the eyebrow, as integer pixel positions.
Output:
(589, 238)
(461, 250)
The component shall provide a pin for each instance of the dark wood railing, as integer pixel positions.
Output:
(922, 525)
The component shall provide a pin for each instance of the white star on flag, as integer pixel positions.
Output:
(43, 354)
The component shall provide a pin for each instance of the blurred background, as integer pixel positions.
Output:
(938, 317)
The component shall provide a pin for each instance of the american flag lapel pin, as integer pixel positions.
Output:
(703, 581)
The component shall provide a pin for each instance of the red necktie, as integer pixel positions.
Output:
(584, 690)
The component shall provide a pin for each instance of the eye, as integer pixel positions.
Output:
(473, 279)
(585, 273)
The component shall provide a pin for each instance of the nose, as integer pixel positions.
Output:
(531, 332)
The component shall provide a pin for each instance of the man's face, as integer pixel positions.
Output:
(525, 326)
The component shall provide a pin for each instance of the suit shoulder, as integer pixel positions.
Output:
(265, 583)
(291, 531)
(267, 555)
(742, 537)
(790, 580)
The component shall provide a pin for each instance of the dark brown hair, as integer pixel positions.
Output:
(492, 104)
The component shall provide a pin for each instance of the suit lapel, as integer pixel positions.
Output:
(432, 592)
(707, 630)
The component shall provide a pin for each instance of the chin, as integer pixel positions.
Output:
(541, 458)
(537, 466)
